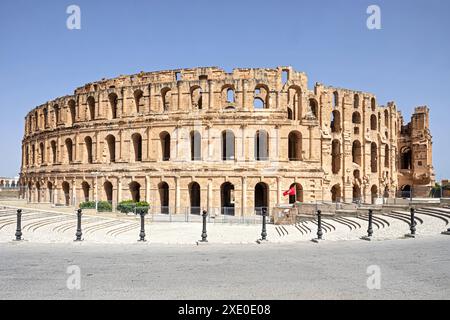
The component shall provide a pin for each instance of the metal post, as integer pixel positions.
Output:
(370, 230)
(79, 233)
(413, 223)
(142, 233)
(264, 229)
(319, 225)
(19, 225)
(204, 234)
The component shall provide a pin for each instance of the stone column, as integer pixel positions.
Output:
(210, 196)
(211, 95)
(177, 195)
(244, 196)
(278, 190)
(119, 189)
(147, 189)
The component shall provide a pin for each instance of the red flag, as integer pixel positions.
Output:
(290, 192)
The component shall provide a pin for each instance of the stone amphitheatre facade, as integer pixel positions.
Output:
(233, 142)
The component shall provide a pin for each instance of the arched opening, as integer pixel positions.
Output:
(36, 121)
(373, 122)
(108, 188)
(91, 107)
(289, 114)
(227, 198)
(194, 198)
(33, 154)
(356, 194)
(356, 101)
(335, 121)
(137, 146)
(386, 156)
(373, 104)
(66, 192)
(228, 145)
(374, 193)
(42, 152)
(335, 99)
(336, 193)
(196, 146)
(165, 145)
(314, 107)
(261, 97)
(53, 146)
(356, 152)
(261, 145)
(356, 118)
(86, 191)
(386, 118)
(196, 98)
(137, 100)
(166, 95)
(27, 156)
(45, 111)
(88, 146)
(111, 142)
(405, 159)
(73, 111)
(113, 104)
(298, 196)
(69, 150)
(135, 191)
(57, 115)
(295, 101)
(336, 156)
(295, 146)
(406, 191)
(163, 190)
(38, 192)
(230, 95)
(50, 192)
(261, 197)
(373, 157)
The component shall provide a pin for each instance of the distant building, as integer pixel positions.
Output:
(9, 182)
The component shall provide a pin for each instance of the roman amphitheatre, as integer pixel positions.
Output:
(231, 143)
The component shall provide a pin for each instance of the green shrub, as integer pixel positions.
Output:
(127, 206)
(104, 206)
(87, 205)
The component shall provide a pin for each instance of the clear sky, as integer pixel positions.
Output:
(407, 61)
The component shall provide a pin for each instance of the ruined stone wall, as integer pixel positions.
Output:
(335, 144)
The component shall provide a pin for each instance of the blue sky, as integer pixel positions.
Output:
(407, 61)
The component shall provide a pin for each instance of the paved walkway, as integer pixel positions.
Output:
(41, 224)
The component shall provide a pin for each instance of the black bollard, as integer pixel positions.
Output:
(319, 225)
(79, 233)
(413, 223)
(142, 233)
(204, 234)
(264, 229)
(370, 229)
(19, 225)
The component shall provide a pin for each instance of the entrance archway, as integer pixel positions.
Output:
(261, 197)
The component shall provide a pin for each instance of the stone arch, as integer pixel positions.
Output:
(164, 138)
(373, 193)
(406, 158)
(113, 101)
(194, 198)
(356, 152)
(227, 198)
(111, 148)
(163, 190)
(228, 145)
(54, 152)
(196, 145)
(136, 139)
(91, 107)
(373, 157)
(261, 145)
(335, 121)
(72, 111)
(336, 193)
(86, 191)
(386, 156)
(196, 97)
(108, 191)
(166, 96)
(135, 191)
(373, 104)
(298, 193)
(261, 197)
(295, 146)
(335, 156)
(295, 101)
(314, 107)
(138, 94)
(261, 97)
(356, 118)
(69, 150)
(66, 193)
(356, 101)
(42, 153)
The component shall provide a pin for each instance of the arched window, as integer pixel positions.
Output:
(73, 111)
(295, 101)
(336, 193)
(261, 197)
(405, 159)
(356, 101)
(91, 107)
(108, 188)
(135, 190)
(111, 143)
(372, 104)
(228, 145)
(335, 156)
(374, 193)
(313, 105)
(386, 156)
(386, 118)
(166, 97)
(335, 99)
(335, 121)
(298, 196)
(137, 100)
(57, 114)
(295, 146)
(36, 120)
(69, 150)
(42, 152)
(163, 190)
(261, 145)
(194, 198)
(88, 144)
(86, 188)
(356, 118)
(27, 156)
(165, 145)
(45, 111)
(50, 192)
(196, 146)
(290, 115)
(373, 157)
(230, 95)
(66, 191)
(261, 97)
(373, 122)
(137, 146)
(53, 146)
(196, 97)
(356, 152)
(227, 198)
(113, 104)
